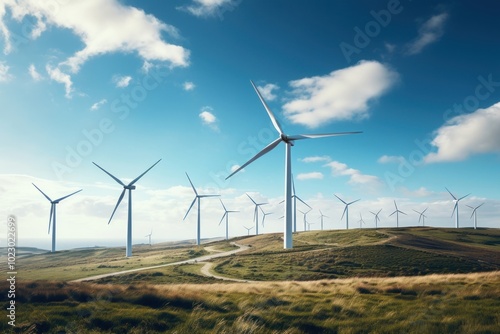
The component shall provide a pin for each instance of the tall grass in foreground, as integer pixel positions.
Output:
(466, 303)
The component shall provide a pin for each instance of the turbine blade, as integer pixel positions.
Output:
(293, 186)
(402, 212)
(137, 178)
(194, 189)
(392, 213)
(340, 199)
(50, 217)
(343, 213)
(454, 208)
(321, 135)
(372, 213)
(461, 198)
(354, 201)
(251, 199)
(480, 205)
(451, 193)
(201, 196)
(275, 122)
(113, 177)
(379, 211)
(60, 199)
(265, 150)
(117, 204)
(225, 210)
(47, 197)
(300, 199)
(224, 215)
(395, 205)
(194, 200)
(424, 210)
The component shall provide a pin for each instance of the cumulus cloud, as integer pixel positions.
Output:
(4, 72)
(33, 73)
(355, 176)
(208, 118)
(313, 159)
(338, 96)
(267, 91)
(98, 105)
(122, 81)
(466, 135)
(310, 176)
(188, 85)
(58, 76)
(209, 8)
(387, 159)
(429, 32)
(104, 26)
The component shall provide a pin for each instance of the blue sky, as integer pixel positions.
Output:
(125, 83)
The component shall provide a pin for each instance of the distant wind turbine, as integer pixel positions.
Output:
(361, 221)
(226, 215)
(52, 217)
(474, 213)
(397, 212)
(377, 219)
(305, 218)
(149, 236)
(309, 225)
(346, 211)
(455, 208)
(129, 187)
(248, 229)
(264, 214)
(321, 217)
(289, 142)
(422, 216)
(256, 213)
(196, 199)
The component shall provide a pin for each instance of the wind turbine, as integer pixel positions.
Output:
(289, 142)
(474, 213)
(196, 199)
(346, 211)
(52, 217)
(294, 199)
(248, 229)
(256, 213)
(129, 187)
(149, 236)
(361, 221)
(377, 219)
(456, 206)
(226, 214)
(321, 217)
(422, 216)
(309, 225)
(264, 216)
(305, 218)
(397, 212)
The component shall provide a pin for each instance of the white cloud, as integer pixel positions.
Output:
(104, 26)
(310, 176)
(420, 192)
(355, 176)
(267, 91)
(313, 159)
(4, 31)
(98, 105)
(208, 118)
(58, 76)
(4, 72)
(387, 159)
(207, 8)
(122, 81)
(340, 95)
(466, 135)
(235, 167)
(34, 74)
(429, 32)
(188, 85)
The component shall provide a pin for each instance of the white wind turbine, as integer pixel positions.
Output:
(289, 142)
(305, 218)
(422, 216)
(196, 199)
(397, 212)
(456, 206)
(149, 236)
(129, 187)
(248, 229)
(377, 219)
(474, 213)
(346, 211)
(321, 217)
(226, 214)
(309, 225)
(361, 221)
(52, 217)
(256, 213)
(264, 214)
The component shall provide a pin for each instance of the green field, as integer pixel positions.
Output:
(415, 280)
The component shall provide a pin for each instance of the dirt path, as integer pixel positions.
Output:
(195, 260)
(205, 270)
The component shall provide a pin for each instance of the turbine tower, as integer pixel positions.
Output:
(422, 216)
(256, 213)
(397, 212)
(321, 217)
(248, 229)
(129, 187)
(474, 213)
(456, 206)
(149, 236)
(226, 214)
(289, 142)
(377, 219)
(196, 199)
(52, 216)
(346, 211)
(361, 221)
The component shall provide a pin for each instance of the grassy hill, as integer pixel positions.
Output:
(416, 280)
